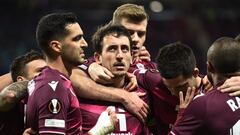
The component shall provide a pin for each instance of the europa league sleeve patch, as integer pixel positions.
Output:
(54, 106)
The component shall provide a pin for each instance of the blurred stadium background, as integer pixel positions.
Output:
(196, 23)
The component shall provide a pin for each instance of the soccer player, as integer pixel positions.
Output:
(135, 19)
(176, 72)
(216, 112)
(112, 46)
(23, 68)
(52, 106)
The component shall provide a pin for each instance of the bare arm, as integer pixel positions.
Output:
(11, 94)
(6, 80)
(87, 88)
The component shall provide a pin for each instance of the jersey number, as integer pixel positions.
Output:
(235, 130)
(121, 119)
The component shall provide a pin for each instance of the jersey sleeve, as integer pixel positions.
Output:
(47, 109)
(86, 64)
(151, 65)
(192, 119)
(141, 78)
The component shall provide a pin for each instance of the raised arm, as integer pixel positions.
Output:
(6, 80)
(11, 94)
(87, 88)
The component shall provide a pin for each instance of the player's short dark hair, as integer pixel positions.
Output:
(117, 30)
(53, 26)
(224, 55)
(17, 67)
(175, 59)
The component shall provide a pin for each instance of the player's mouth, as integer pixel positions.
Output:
(135, 49)
(82, 54)
(119, 65)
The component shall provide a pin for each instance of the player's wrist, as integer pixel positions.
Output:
(124, 97)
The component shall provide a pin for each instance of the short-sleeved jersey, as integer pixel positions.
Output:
(133, 67)
(127, 123)
(12, 121)
(53, 107)
(214, 113)
(164, 106)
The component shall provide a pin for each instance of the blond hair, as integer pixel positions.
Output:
(132, 12)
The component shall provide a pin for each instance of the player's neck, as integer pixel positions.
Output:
(59, 65)
(118, 82)
(221, 77)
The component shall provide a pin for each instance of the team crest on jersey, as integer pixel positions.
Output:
(54, 106)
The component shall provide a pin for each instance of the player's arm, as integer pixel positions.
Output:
(6, 80)
(232, 86)
(11, 94)
(193, 117)
(87, 88)
(42, 115)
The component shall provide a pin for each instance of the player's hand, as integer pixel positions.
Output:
(144, 54)
(100, 74)
(141, 55)
(134, 104)
(106, 122)
(232, 86)
(184, 102)
(29, 131)
(133, 82)
(207, 85)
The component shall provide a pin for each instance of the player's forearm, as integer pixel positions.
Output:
(11, 94)
(87, 88)
(6, 80)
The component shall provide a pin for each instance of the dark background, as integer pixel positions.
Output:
(196, 23)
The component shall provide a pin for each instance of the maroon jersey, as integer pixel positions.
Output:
(12, 121)
(215, 113)
(164, 106)
(53, 107)
(127, 123)
(142, 65)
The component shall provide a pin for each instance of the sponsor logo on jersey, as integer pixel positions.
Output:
(54, 123)
(54, 106)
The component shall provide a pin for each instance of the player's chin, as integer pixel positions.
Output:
(119, 73)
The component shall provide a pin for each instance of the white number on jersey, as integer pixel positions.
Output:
(235, 130)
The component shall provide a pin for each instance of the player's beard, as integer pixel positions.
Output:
(119, 74)
(72, 57)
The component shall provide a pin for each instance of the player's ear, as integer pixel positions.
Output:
(98, 58)
(55, 46)
(195, 72)
(20, 78)
(210, 67)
